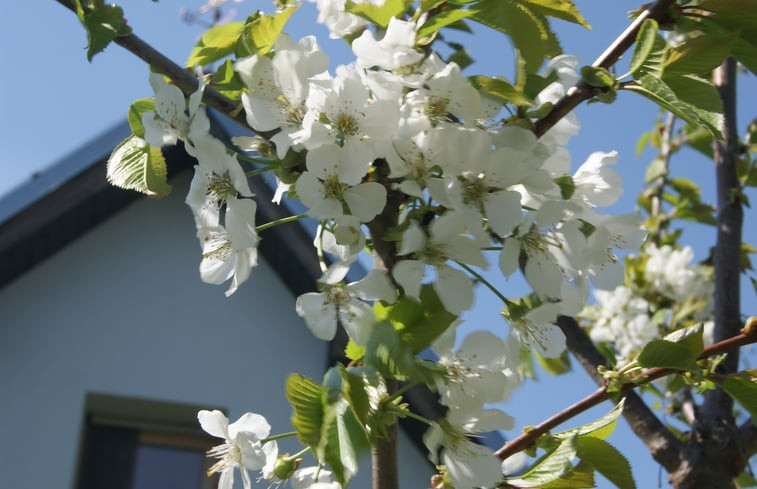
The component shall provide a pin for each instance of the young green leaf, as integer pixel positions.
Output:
(216, 43)
(708, 115)
(442, 19)
(600, 428)
(388, 354)
(582, 476)
(306, 398)
(341, 445)
(528, 31)
(501, 90)
(134, 165)
(103, 24)
(698, 55)
(595, 76)
(378, 14)
(134, 115)
(418, 324)
(259, 35)
(607, 460)
(559, 9)
(661, 353)
(649, 52)
(550, 467)
(743, 391)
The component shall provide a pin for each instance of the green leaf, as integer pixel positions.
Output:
(754, 284)
(134, 165)
(378, 14)
(501, 90)
(743, 391)
(306, 398)
(649, 52)
(663, 95)
(607, 460)
(691, 337)
(550, 467)
(582, 476)
(259, 35)
(356, 395)
(745, 53)
(387, 353)
(661, 353)
(418, 324)
(560, 9)
(528, 31)
(595, 76)
(341, 441)
(216, 43)
(698, 55)
(227, 81)
(103, 24)
(656, 169)
(734, 15)
(600, 428)
(134, 115)
(442, 19)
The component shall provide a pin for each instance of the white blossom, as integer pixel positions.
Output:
(243, 446)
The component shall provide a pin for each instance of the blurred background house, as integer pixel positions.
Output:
(110, 343)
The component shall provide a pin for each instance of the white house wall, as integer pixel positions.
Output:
(122, 311)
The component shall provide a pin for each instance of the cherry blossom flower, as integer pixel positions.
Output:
(174, 117)
(345, 305)
(230, 251)
(395, 51)
(278, 87)
(333, 181)
(445, 242)
(243, 446)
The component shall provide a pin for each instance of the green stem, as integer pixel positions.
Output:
(488, 284)
(278, 222)
(258, 171)
(279, 437)
(415, 416)
(299, 454)
(399, 392)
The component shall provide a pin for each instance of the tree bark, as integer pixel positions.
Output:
(715, 454)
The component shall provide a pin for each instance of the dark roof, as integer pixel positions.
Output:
(71, 197)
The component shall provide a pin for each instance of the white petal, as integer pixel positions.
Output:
(508, 257)
(455, 289)
(503, 211)
(366, 200)
(214, 423)
(319, 315)
(374, 286)
(409, 274)
(250, 423)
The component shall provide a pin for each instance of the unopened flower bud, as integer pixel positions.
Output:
(285, 466)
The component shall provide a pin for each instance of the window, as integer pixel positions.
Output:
(132, 443)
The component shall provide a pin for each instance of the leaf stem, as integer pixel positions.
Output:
(278, 222)
(280, 436)
(481, 279)
(399, 392)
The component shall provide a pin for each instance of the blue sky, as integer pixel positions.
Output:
(54, 101)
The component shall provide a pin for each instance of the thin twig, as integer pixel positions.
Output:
(526, 439)
(581, 91)
(182, 78)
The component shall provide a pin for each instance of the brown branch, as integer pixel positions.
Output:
(183, 79)
(662, 444)
(581, 91)
(527, 439)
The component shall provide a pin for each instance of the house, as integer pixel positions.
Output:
(110, 343)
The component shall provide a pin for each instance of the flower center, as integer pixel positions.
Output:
(345, 125)
(228, 455)
(436, 109)
(220, 187)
